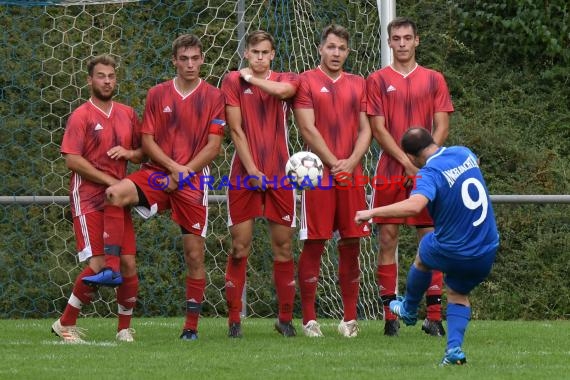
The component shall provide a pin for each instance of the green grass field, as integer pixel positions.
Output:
(495, 350)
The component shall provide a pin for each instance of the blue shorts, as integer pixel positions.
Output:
(462, 273)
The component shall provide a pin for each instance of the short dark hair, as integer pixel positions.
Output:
(185, 41)
(398, 22)
(415, 140)
(337, 30)
(259, 36)
(104, 59)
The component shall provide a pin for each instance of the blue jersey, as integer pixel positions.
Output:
(459, 203)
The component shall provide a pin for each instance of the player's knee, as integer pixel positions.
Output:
(282, 250)
(456, 297)
(388, 239)
(420, 265)
(194, 258)
(121, 194)
(240, 250)
(114, 196)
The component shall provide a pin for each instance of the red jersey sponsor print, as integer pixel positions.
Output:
(337, 105)
(405, 101)
(264, 122)
(181, 124)
(90, 133)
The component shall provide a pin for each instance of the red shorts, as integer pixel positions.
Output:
(276, 205)
(325, 211)
(88, 230)
(394, 193)
(189, 205)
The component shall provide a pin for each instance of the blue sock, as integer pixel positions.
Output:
(416, 285)
(458, 317)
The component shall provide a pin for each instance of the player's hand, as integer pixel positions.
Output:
(177, 174)
(410, 172)
(180, 172)
(362, 216)
(118, 152)
(171, 183)
(343, 166)
(245, 71)
(256, 182)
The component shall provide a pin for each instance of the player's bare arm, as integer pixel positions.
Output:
(389, 145)
(206, 155)
(234, 120)
(155, 153)
(360, 147)
(440, 127)
(411, 206)
(281, 90)
(305, 118)
(85, 169)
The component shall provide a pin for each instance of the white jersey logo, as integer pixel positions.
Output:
(390, 88)
(324, 89)
(166, 109)
(98, 127)
(196, 226)
(286, 218)
(248, 91)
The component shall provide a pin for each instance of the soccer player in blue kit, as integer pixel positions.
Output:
(465, 239)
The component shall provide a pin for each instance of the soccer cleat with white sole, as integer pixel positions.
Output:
(453, 356)
(312, 329)
(126, 335)
(348, 329)
(69, 334)
(398, 307)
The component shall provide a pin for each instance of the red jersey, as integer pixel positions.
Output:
(181, 124)
(90, 133)
(264, 122)
(337, 105)
(405, 101)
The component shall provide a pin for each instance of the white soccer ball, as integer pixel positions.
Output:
(304, 170)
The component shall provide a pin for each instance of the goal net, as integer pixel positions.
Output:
(44, 50)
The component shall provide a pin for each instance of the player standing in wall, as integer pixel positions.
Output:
(100, 138)
(465, 241)
(402, 95)
(182, 131)
(330, 110)
(257, 109)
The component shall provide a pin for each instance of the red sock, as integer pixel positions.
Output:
(433, 296)
(349, 277)
(309, 268)
(284, 277)
(81, 295)
(126, 300)
(114, 227)
(387, 278)
(194, 296)
(236, 270)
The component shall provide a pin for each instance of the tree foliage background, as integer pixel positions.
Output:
(507, 65)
